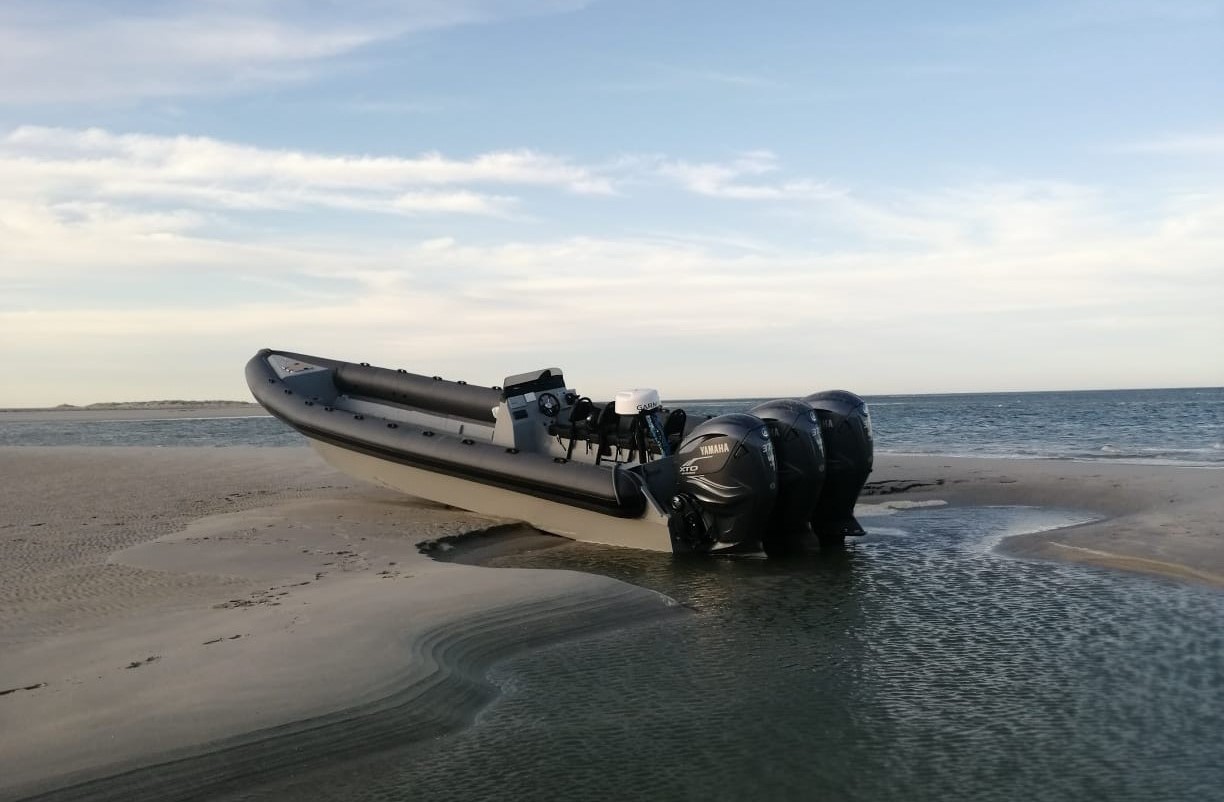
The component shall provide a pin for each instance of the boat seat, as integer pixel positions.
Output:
(605, 429)
(673, 427)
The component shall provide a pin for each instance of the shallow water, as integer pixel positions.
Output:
(918, 665)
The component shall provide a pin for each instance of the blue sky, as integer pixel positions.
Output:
(717, 199)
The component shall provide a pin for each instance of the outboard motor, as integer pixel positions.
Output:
(728, 480)
(845, 425)
(794, 428)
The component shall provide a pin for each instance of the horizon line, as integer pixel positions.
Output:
(101, 405)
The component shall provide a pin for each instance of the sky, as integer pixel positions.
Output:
(716, 199)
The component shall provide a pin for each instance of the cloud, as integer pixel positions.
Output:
(57, 170)
(97, 183)
(1182, 145)
(726, 179)
(187, 159)
(101, 52)
(696, 319)
(118, 249)
(691, 320)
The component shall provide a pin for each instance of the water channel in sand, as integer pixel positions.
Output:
(917, 665)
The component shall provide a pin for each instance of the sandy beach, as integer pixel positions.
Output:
(158, 603)
(163, 603)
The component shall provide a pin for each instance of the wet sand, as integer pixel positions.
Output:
(1155, 519)
(224, 607)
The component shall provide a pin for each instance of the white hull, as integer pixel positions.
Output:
(647, 532)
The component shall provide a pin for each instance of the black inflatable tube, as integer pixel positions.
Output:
(424, 392)
(611, 492)
(401, 387)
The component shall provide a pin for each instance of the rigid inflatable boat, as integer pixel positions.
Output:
(627, 472)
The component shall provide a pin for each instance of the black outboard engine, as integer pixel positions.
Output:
(727, 483)
(846, 427)
(799, 448)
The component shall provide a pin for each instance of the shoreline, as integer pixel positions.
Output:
(443, 690)
(191, 602)
(1155, 520)
(239, 610)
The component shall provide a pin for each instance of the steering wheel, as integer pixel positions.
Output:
(549, 405)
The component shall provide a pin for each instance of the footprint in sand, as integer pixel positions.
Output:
(223, 637)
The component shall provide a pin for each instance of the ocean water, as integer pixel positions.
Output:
(1148, 426)
(255, 430)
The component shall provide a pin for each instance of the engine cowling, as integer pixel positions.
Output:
(798, 444)
(727, 484)
(845, 427)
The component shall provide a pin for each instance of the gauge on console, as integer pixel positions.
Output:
(549, 405)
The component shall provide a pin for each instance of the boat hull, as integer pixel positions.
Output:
(648, 531)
